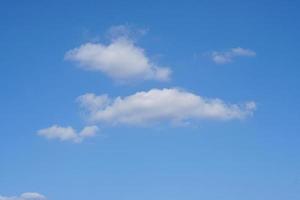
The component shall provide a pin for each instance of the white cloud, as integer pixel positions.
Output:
(68, 133)
(121, 60)
(25, 196)
(228, 56)
(160, 105)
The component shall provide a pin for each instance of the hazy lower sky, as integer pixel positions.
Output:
(150, 100)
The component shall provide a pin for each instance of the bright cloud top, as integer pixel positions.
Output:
(158, 105)
(68, 133)
(25, 196)
(121, 60)
(228, 56)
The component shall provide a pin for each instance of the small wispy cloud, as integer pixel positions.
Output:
(68, 133)
(160, 105)
(121, 59)
(25, 196)
(228, 56)
(125, 31)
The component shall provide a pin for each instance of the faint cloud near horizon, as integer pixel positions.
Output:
(25, 196)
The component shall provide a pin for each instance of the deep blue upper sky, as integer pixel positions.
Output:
(253, 158)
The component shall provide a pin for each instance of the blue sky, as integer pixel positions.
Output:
(178, 57)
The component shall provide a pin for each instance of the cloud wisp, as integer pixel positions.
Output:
(68, 133)
(25, 196)
(122, 60)
(160, 105)
(125, 31)
(228, 56)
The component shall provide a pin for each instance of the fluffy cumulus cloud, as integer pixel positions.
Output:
(160, 105)
(68, 133)
(228, 56)
(121, 60)
(25, 196)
